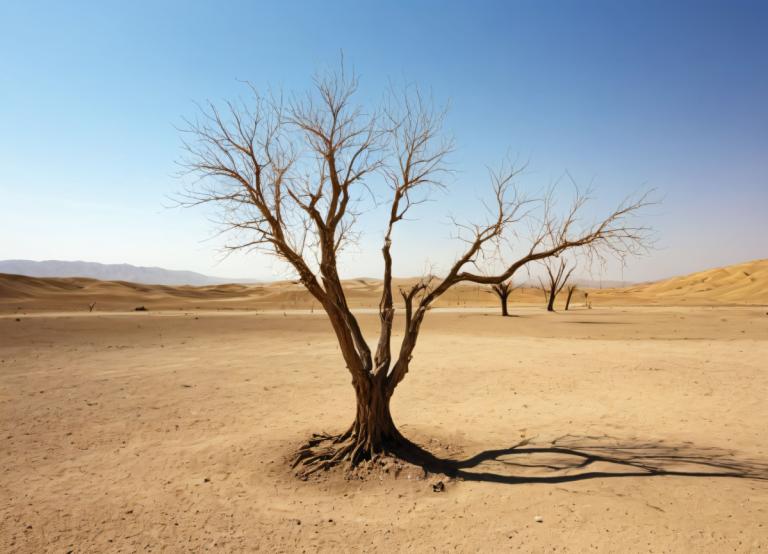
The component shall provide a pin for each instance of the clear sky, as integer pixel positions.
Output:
(628, 95)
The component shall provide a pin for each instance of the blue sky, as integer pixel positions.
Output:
(628, 95)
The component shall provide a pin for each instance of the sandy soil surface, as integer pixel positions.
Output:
(168, 432)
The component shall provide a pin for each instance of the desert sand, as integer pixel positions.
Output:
(644, 421)
(737, 285)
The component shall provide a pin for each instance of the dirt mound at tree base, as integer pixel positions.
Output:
(413, 465)
(384, 468)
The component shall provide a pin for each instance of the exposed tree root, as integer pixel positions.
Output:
(357, 459)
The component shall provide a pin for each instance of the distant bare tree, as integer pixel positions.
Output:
(571, 290)
(286, 175)
(503, 290)
(557, 276)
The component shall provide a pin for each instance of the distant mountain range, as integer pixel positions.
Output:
(587, 283)
(170, 277)
(112, 272)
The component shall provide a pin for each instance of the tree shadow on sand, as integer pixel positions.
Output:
(576, 458)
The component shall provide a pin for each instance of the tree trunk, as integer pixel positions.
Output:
(373, 433)
(551, 302)
(504, 311)
(568, 299)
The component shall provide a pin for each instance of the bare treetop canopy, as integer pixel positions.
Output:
(287, 175)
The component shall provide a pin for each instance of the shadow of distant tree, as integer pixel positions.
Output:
(574, 458)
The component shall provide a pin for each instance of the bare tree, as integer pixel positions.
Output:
(286, 175)
(503, 290)
(557, 276)
(571, 290)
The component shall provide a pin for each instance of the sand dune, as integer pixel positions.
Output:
(741, 284)
(745, 283)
